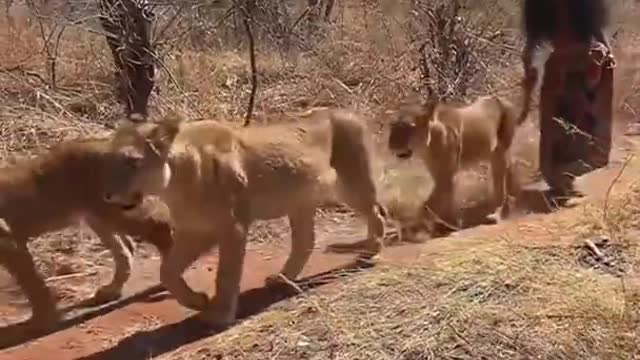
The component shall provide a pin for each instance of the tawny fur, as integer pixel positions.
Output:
(449, 138)
(57, 190)
(217, 180)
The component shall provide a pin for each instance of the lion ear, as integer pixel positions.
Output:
(125, 126)
(165, 132)
(426, 114)
(5, 229)
(125, 132)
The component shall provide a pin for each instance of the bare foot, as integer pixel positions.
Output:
(107, 294)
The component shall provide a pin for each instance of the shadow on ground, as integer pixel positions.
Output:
(146, 344)
(528, 201)
(16, 334)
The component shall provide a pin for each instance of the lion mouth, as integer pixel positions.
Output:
(404, 154)
(129, 204)
(128, 207)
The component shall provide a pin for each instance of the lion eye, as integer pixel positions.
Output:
(133, 162)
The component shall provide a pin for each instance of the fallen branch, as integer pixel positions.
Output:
(20, 70)
(615, 180)
(594, 250)
(72, 275)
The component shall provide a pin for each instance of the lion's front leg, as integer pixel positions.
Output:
(19, 262)
(232, 246)
(440, 205)
(188, 246)
(302, 224)
(122, 258)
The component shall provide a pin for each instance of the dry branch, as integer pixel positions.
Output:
(594, 249)
(246, 20)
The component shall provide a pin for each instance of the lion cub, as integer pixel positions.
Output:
(217, 180)
(56, 190)
(450, 138)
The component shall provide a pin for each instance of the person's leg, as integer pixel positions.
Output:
(602, 112)
(552, 132)
(590, 96)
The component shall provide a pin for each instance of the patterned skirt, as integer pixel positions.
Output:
(575, 112)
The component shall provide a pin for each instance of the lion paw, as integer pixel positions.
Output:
(107, 294)
(44, 321)
(198, 301)
(217, 315)
(275, 280)
(494, 218)
(367, 260)
(574, 202)
(278, 281)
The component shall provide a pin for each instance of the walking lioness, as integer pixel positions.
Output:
(217, 180)
(449, 138)
(56, 190)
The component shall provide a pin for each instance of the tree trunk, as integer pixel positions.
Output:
(313, 15)
(127, 24)
(328, 9)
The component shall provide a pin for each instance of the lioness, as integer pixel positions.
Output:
(449, 138)
(217, 180)
(56, 190)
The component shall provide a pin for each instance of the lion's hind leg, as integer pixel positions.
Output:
(221, 311)
(501, 177)
(302, 224)
(188, 247)
(361, 197)
(351, 158)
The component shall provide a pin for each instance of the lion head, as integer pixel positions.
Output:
(409, 128)
(138, 161)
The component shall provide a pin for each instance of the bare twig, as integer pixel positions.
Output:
(175, 82)
(168, 25)
(302, 16)
(613, 183)
(46, 39)
(73, 275)
(53, 59)
(20, 70)
(246, 15)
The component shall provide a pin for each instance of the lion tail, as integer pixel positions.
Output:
(509, 121)
(508, 111)
(524, 113)
(311, 111)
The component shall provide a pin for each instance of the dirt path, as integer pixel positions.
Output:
(148, 323)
